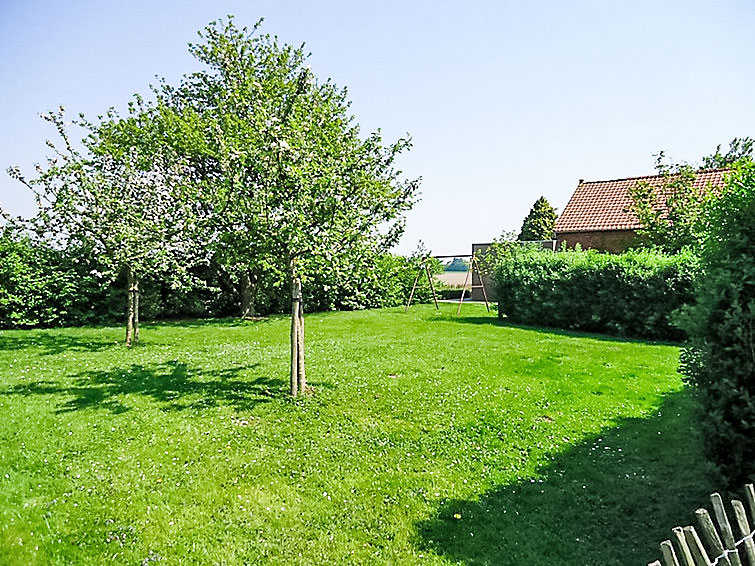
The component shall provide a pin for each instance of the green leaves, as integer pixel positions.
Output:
(540, 222)
(672, 214)
(279, 165)
(632, 294)
(720, 360)
(251, 164)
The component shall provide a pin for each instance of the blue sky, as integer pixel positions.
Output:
(505, 101)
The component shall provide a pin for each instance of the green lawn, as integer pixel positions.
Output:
(430, 439)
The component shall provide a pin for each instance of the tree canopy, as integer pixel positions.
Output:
(681, 221)
(278, 167)
(251, 163)
(458, 264)
(118, 202)
(539, 223)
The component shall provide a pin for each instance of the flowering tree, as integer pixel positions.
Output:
(119, 202)
(278, 164)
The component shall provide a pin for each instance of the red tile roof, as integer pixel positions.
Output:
(602, 205)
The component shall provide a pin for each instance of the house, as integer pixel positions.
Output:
(597, 216)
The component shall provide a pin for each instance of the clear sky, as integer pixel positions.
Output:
(506, 101)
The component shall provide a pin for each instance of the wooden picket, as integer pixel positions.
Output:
(720, 544)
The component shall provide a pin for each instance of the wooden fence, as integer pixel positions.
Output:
(727, 547)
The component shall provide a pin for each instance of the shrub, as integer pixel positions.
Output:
(457, 264)
(376, 281)
(40, 285)
(632, 294)
(720, 359)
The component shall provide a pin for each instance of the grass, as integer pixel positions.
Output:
(430, 439)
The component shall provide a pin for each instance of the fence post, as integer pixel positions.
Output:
(719, 540)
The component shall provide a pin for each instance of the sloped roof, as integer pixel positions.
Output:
(602, 205)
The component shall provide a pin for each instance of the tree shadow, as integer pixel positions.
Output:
(204, 322)
(172, 384)
(52, 343)
(609, 500)
(493, 320)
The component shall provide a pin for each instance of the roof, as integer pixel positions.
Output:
(602, 205)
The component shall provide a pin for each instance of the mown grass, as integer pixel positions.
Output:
(430, 439)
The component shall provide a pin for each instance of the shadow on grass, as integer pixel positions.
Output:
(493, 320)
(52, 343)
(172, 384)
(609, 500)
(204, 322)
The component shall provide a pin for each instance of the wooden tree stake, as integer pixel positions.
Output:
(301, 373)
(132, 306)
(136, 310)
(295, 299)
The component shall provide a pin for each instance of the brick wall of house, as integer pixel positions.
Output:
(614, 241)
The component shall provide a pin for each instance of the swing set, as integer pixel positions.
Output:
(472, 268)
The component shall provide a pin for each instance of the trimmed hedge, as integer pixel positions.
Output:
(632, 294)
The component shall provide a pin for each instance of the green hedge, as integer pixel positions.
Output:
(43, 287)
(632, 294)
(720, 358)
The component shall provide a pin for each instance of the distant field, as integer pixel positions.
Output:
(430, 439)
(453, 278)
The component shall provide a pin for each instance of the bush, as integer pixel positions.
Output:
(632, 294)
(41, 286)
(720, 359)
(375, 281)
(457, 264)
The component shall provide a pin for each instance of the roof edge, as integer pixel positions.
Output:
(598, 230)
(697, 172)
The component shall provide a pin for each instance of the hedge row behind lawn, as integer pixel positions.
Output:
(632, 294)
(42, 286)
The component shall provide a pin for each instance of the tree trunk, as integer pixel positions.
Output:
(132, 307)
(302, 376)
(129, 307)
(295, 302)
(136, 309)
(247, 292)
